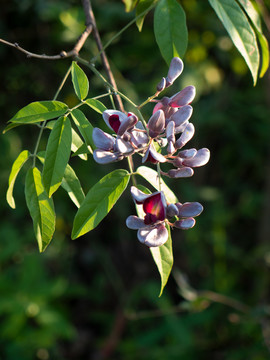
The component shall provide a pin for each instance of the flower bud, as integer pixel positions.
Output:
(181, 173)
(156, 123)
(172, 210)
(185, 224)
(106, 157)
(201, 158)
(161, 85)
(185, 136)
(102, 140)
(183, 97)
(175, 70)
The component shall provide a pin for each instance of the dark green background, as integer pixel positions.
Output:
(97, 297)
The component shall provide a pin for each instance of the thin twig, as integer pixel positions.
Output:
(90, 20)
(63, 54)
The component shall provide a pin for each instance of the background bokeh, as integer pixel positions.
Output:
(97, 297)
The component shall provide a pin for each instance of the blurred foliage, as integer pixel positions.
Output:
(96, 297)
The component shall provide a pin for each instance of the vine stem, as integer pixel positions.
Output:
(42, 127)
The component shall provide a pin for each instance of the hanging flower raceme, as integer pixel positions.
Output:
(152, 228)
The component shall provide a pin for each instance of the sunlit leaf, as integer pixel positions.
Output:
(163, 257)
(96, 105)
(57, 155)
(16, 167)
(130, 4)
(142, 6)
(72, 185)
(83, 150)
(254, 17)
(84, 126)
(99, 201)
(152, 177)
(170, 29)
(238, 27)
(76, 144)
(40, 111)
(80, 81)
(40, 207)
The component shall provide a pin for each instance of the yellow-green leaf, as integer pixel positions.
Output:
(80, 81)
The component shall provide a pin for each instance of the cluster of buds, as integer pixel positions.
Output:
(152, 229)
(161, 140)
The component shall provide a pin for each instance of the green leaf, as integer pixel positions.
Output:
(152, 177)
(96, 105)
(72, 185)
(40, 111)
(99, 201)
(142, 6)
(80, 81)
(57, 155)
(238, 27)
(84, 126)
(83, 150)
(76, 144)
(41, 208)
(254, 17)
(16, 167)
(130, 4)
(163, 257)
(170, 29)
(10, 126)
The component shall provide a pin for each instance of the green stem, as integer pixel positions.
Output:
(42, 127)
(131, 168)
(159, 176)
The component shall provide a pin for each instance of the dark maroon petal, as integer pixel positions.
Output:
(134, 222)
(160, 105)
(114, 122)
(185, 224)
(181, 173)
(201, 158)
(190, 209)
(153, 236)
(154, 205)
(183, 97)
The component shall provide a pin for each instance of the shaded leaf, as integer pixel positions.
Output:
(84, 126)
(40, 111)
(83, 150)
(10, 126)
(99, 201)
(57, 155)
(163, 257)
(170, 29)
(40, 207)
(142, 7)
(76, 144)
(152, 177)
(80, 81)
(238, 27)
(16, 167)
(96, 105)
(72, 185)
(254, 17)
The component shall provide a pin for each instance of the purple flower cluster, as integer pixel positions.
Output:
(152, 228)
(161, 140)
(170, 119)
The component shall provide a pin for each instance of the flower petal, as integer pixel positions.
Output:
(127, 124)
(172, 210)
(155, 205)
(138, 195)
(185, 136)
(170, 130)
(156, 123)
(189, 153)
(185, 224)
(106, 157)
(183, 97)
(102, 140)
(139, 139)
(113, 119)
(134, 222)
(201, 158)
(181, 173)
(123, 147)
(190, 209)
(153, 236)
(153, 156)
(175, 70)
(161, 85)
(182, 115)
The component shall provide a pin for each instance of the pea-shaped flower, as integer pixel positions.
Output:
(151, 229)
